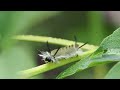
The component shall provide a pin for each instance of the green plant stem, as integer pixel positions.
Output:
(51, 40)
(49, 66)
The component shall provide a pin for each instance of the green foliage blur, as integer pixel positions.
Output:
(88, 26)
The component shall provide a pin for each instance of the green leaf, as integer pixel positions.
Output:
(114, 73)
(109, 51)
(87, 63)
(49, 66)
(51, 40)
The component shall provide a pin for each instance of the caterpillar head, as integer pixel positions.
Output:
(47, 57)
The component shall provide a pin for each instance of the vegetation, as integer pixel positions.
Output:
(22, 33)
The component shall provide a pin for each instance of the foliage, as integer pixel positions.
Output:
(18, 57)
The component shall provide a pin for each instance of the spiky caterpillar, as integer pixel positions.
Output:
(61, 53)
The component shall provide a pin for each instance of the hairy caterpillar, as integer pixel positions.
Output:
(61, 53)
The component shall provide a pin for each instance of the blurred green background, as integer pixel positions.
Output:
(90, 26)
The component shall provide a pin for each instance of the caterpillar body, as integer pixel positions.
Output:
(61, 53)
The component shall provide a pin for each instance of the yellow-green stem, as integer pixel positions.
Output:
(49, 66)
(51, 40)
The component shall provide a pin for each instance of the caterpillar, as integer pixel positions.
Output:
(61, 53)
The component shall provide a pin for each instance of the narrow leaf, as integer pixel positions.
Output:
(52, 40)
(109, 51)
